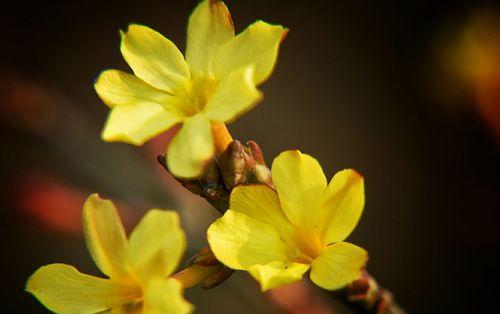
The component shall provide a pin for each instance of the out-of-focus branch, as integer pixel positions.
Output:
(366, 294)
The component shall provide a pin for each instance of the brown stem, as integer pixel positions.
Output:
(369, 296)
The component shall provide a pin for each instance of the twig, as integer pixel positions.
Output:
(244, 164)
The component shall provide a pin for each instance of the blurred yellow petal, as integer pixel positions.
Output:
(300, 183)
(119, 88)
(105, 236)
(241, 242)
(210, 26)
(153, 58)
(277, 273)
(191, 148)
(338, 265)
(138, 123)
(342, 206)
(64, 290)
(258, 44)
(156, 245)
(235, 95)
(165, 297)
(260, 202)
(131, 308)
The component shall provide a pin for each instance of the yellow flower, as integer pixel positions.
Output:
(215, 84)
(279, 235)
(137, 268)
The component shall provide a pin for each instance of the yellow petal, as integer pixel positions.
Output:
(235, 95)
(191, 148)
(165, 297)
(300, 183)
(134, 307)
(153, 58)
(338, 265)
(119, 88)
(105, 236)
(64, 290)
(241, 242)
(258, 44)
(138, 123)
(260, 202)
(277, 273)
(342, 206)
(210, 26)
(156, 245)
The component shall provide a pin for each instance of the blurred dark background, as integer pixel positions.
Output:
(406, 92)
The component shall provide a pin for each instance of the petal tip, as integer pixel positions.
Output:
(289, 153)
(93, 201)
(356, 173)
(131, 27)
(113, 138)
(29, 283)
(94, 197)
(188, 174)
(285, 34)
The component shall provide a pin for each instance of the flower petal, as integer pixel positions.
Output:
(119, 88)
(338, 265)
(277, 273)
(241, 242)
(165, 297)
(258, 44)
(300, 183)
(260, 202)
(210, 26)
(138, 123)
(191, 148)
(153, 58)
(105, 236)
(63, 289)
(156, 245)
(342, 206)
(132, 308)
(235, 95)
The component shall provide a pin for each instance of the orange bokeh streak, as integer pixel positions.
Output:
(487, 96)
(53, 203)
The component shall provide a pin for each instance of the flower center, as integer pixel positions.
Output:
(130, 293)
(133, 307)
(195, 93)
(203, 89)
(308, 246)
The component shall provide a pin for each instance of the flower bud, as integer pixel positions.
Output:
(218, 277)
